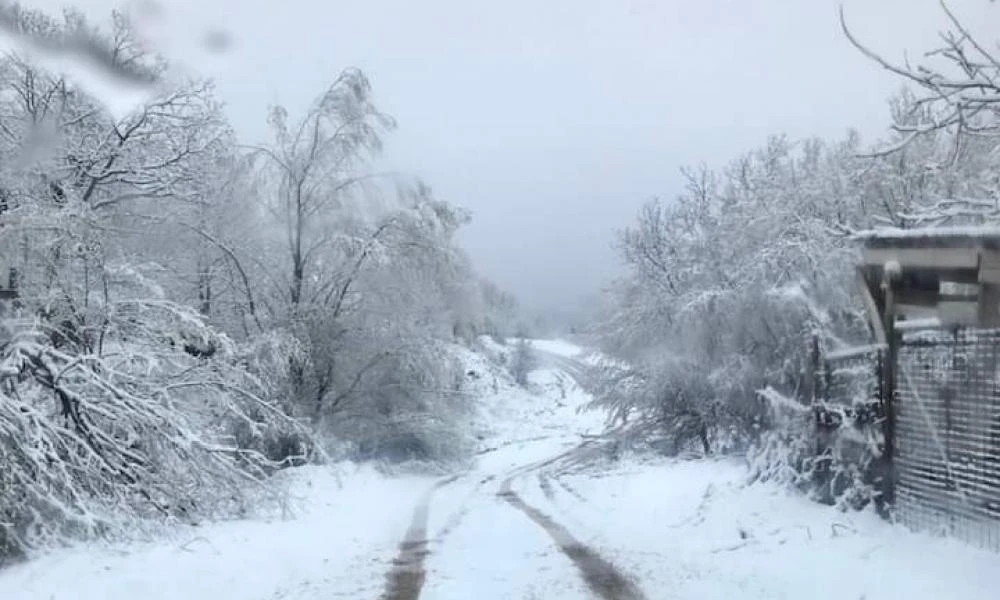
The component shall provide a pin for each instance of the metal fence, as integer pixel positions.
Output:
(947, 434)
(938, 463)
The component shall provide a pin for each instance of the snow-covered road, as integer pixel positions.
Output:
(547, 516)
(485, 541)
(542, 514)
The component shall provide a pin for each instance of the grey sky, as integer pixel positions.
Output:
(553, 120)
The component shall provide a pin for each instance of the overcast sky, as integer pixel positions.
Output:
(553, 120)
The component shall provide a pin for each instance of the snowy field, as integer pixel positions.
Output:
(499, 530)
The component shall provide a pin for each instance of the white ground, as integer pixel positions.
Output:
(558, 347)
(678, 529)
(334, 548)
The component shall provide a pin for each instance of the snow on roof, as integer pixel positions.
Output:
(855, 351)
(966, 231)
(920, 323)
(963, 236)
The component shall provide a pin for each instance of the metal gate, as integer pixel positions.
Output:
(947, 434)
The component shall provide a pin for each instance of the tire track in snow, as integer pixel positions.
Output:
(546, 485)
(602, 577)
(407, 576)
(455, 519)
(570, 489)
(575, 369)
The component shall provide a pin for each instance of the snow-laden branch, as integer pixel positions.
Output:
(90, 442)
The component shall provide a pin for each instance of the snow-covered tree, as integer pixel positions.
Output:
(523, 361)
(194, 314)
(366, 278)
(726, 286)
(946, 131)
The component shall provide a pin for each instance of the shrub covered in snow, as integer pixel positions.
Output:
(728, 285)
(829, 451)
(413, 408)
(151, 425)
(522, 361)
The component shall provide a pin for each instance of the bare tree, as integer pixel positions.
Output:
(947, 131)
(314, 167)
(192, 312)
(959, 81)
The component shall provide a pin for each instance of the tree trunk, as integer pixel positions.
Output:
(703, 436)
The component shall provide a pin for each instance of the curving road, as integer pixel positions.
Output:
(507, 546)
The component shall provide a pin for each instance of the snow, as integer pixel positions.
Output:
(551, 407)
(345, 529)
(489, 550)
(972, 231)
(922, 323)
(558, 347)
(855, 351)
(492, 348)
(679, 529)
(781, 401)
(696, 530)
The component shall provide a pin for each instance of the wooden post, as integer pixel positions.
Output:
(988, 307)
(889, 369)
(875, 317)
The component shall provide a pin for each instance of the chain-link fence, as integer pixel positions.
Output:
(947, 426)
